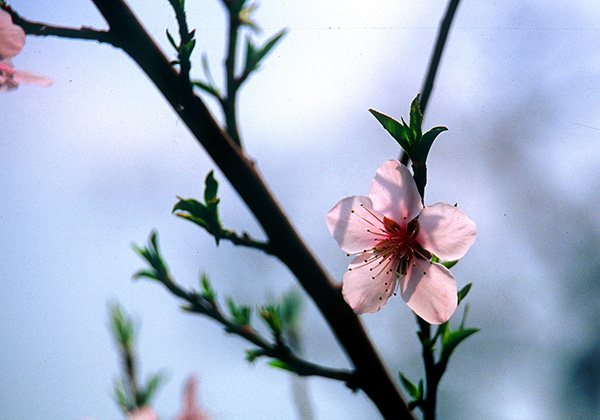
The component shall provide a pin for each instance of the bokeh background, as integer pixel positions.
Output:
(93, 164)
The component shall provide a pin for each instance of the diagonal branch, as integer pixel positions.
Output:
(434, 61)
(371, 375)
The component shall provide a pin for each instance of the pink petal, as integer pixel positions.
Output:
(12, 37)
(432, 296)
(394, 193)
(446, 231)
(350, 229)
(191, 410)
(363, 293)
(144, 413)
(22, 76)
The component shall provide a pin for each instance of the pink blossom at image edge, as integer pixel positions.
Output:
(12, 40)
(393, 238)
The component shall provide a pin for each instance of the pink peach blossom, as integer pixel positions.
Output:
(143, 413)
(191, 410)
(12, 40)
(394, 237)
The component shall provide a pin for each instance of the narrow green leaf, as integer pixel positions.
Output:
(462, 293)
(206, 290)
(172, 41)
(211, 187)
(207, 88)
(427, 141)
(270, 314)
(410, 387)
(452, 340)
(416, 118)
(268, 46)
(281, 365)
(450, 264)
(397, 130)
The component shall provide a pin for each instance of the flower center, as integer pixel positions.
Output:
(396, 246)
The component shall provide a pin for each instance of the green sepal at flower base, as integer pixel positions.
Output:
(204, 214)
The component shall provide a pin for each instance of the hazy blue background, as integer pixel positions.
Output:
(95, 162)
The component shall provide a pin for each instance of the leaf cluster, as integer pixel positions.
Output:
(206, 214)
(410, 137)
(130, 395)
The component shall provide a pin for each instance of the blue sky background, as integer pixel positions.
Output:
(94, 163)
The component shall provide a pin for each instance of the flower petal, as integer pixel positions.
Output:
(350, 222)
(394, 193)
(362, 292)
(12, 37)
(432, 295)
(144, 413)
(22, 76)
(446, 231)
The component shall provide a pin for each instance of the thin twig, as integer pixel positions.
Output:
(278, 350)
(246, 240)
(43, 29)
(229, 102)
(434, 61)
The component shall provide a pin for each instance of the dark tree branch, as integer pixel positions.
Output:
(371, 375)
(434, 61)
(42, 29)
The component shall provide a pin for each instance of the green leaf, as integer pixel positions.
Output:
(152, 255)
(146, 394)
(399, 131)
(416, 118)
(279, 364)
(206, 290)
(255, 55)
(462, 293)
(187, 48)
(410, 387)
(449, 264)
(240, 314)
(207, 88)
(121, 326)
(122, 397)
(426, 142)
(211, 187)
(452, 340)
(252, 355)
(172, 41)
(270, 314)
(205, 216)
(270, 44)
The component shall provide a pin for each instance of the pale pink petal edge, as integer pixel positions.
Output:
(363, 293)
(446, 231)
(394, 193)
(432, 296)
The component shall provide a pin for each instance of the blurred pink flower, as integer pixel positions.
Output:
(12, 40)
(144, 413)
(191, 410)
(393, 237)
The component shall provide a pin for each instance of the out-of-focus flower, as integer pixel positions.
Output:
(393, 237)
(12, 40)
(191, 410)
(143, 413)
